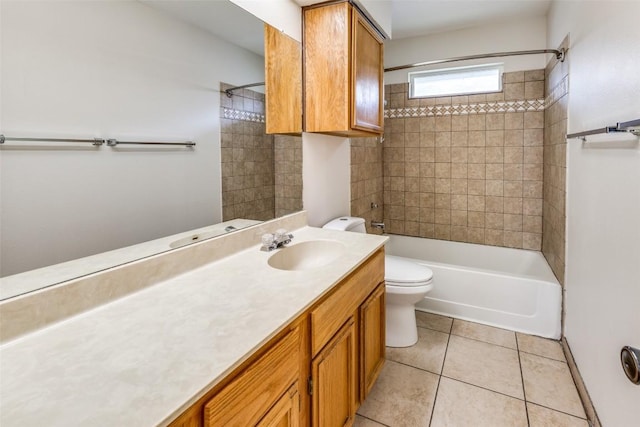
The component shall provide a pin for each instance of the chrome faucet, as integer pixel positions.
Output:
(379, 225)
(276, 240)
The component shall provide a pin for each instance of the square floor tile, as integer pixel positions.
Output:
(549, 383)
(485, 365)
(434, 321)
(366, 422)
(460, 404)
(540, 346)
(484, 333)
(403, 396)
(427, 353)
(545, 417)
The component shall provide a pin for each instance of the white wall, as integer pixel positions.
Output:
(603, 199)
(326, 169)
(108, 69)
(509, 36)
(284, 15)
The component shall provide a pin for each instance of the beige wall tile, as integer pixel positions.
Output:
(513, 188)
(475, 219)
(459, 202)
(514, 137)
(476, 138)
(534, 90)
(513, 77)
(495, 138)
(494, 204)
(532, 241)
(495, 121)
(493, 237)
(459, 186)
(476, 187)
(495, 155)
(513, 91)
(514, 120)
(475, 234)
(443, 232)
(476, 203)
(493, 170)
(459, 218)
(443, 123)
(532, 75)
(476, 155)
(459, 170)
(477, 121)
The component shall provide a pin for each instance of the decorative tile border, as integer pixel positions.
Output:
(557, 92)
(248, 116)
(460, 109)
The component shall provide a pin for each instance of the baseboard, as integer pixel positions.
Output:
(590, 410)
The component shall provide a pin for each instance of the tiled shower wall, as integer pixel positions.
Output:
(555, 169)
(366, 181)
(288, 174)
(466, 168)
(247, 156)
(261, 174)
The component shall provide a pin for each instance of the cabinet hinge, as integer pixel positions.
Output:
(310, 385)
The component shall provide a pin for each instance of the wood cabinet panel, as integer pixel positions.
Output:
(326, 85)
(367, 82)
(283, 82)
(342, 72)
(334, 374)
(245, 400)
(372, 339)
(344, 301)
(285, 412)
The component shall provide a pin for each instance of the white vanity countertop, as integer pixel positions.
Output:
(142, 360)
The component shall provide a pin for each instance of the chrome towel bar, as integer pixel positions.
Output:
(97, 141)
(632, 127)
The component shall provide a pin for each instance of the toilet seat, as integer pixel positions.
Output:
(401, 272)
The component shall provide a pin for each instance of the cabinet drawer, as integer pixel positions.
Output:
(248, 397)
(331, 314)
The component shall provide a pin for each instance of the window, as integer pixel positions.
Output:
(456, 81)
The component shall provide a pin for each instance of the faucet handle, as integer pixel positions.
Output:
(267, 239)
(280, 234)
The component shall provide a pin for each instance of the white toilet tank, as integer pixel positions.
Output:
(347, 223)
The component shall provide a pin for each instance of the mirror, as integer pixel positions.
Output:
(149, 71)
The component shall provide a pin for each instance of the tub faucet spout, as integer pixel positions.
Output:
(379, 225)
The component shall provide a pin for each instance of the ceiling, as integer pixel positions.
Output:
(410, 18)
(413, 18)
(220, 18)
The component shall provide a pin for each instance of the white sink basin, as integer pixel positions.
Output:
(307, 255)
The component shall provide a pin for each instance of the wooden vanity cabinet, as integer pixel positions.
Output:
(347, 344)
(342, 71)
(283, 82)
(372, 339)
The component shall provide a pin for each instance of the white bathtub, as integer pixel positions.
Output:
(508, 288)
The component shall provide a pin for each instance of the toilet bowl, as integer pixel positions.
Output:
(406, 283)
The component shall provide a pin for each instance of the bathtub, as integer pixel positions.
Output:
(508, 288)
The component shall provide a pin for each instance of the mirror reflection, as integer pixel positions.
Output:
(134, 71)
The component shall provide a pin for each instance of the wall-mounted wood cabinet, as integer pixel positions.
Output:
(342, 71)
(283, 82)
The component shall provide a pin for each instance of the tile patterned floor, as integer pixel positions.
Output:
(463, 374)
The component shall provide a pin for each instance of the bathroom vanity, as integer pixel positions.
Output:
(228, 340)
(318, 369)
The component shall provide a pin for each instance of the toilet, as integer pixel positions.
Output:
(406, 283)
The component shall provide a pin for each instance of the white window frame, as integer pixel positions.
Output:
(453, 71)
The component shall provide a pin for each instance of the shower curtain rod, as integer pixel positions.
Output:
(560, 55)
(229, 91)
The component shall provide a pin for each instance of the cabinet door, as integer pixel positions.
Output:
(372, 339)
(283, 81)
(285, 412)
(367, 71)
(334, 380)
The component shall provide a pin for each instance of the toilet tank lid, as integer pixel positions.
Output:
(344, 223)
